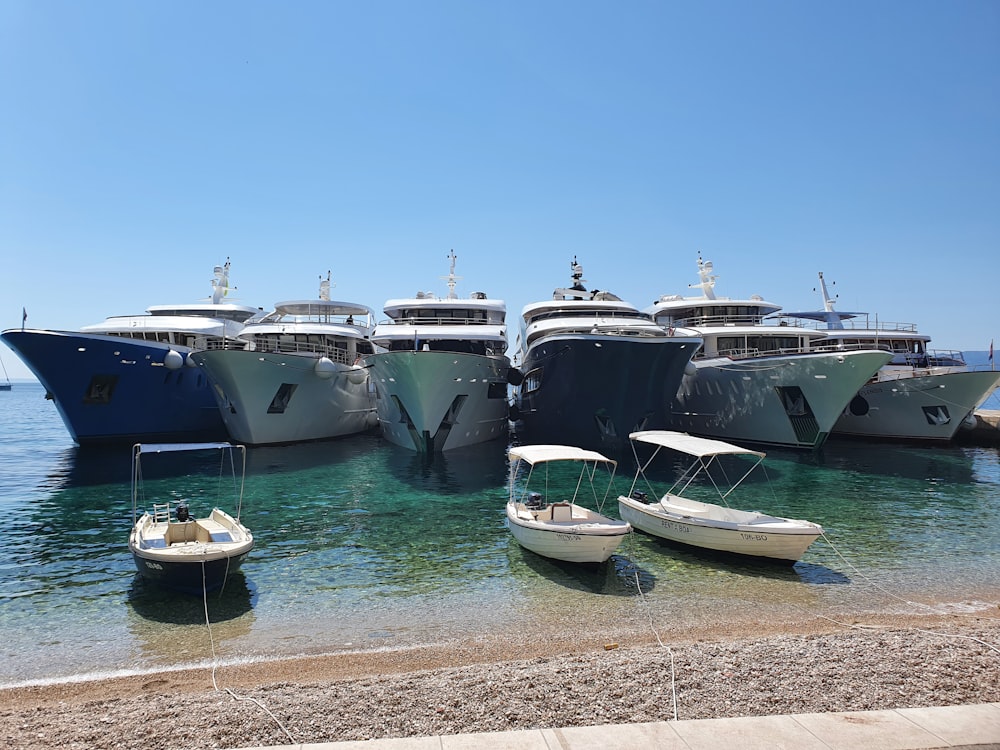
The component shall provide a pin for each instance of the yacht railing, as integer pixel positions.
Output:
(865, 323)
(756, 352)
(420, 320)
(713, 321)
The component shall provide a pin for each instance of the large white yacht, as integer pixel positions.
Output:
(757, 383)
(595, 368)
(921, 394)
(130, 378)
(297, 374)
(442, 379)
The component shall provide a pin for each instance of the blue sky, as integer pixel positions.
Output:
(143, 143)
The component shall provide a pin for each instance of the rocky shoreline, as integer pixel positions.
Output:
(499, 682)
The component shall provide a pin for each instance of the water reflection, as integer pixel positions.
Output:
(170, 627)
(465, 470)
(162, 605)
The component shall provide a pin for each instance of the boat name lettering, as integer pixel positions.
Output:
(153, 565)
(569, 537)
(676, 526)
(753, 537)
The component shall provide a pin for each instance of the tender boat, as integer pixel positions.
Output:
(170, 546)
(296, 374)
(594, 368)
(129, 378)
(710, 526)
(922, 394)
(441, 379)
(561, 528)
(756, 382)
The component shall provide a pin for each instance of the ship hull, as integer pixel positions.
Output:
(275, 398)
(111, 389)
(432, 401)
(922, 408)
(591, 391)
(790, 401)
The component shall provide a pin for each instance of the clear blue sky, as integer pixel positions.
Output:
(141, 143)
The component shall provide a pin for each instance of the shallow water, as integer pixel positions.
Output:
(361, 544)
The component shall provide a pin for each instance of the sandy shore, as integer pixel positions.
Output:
(506, 681)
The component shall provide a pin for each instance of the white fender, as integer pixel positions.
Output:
(690, 369)
(357, 374)
(325, 368)
(173, 360)
(189, 362)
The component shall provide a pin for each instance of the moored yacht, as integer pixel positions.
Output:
(921, 394)
(130, 377)
(442, 380)
(595, 369)
(296, 373)
(755, 382)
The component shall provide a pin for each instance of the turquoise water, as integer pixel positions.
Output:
(363, 545)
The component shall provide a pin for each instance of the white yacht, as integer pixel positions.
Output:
(297, 374)
(595, 368)
(130, 378)
(441, 380)
(755, 382)
(921, 394)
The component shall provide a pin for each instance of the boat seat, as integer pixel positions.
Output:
(155, 537)
(562, 512)
(214, 530)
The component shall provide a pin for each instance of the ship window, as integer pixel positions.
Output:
(532, 380)
(281, 399)
(100, 389)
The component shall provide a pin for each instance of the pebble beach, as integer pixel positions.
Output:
(495, 682)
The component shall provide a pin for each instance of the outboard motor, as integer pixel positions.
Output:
(182, 513)
(642, 497)
(534, 501)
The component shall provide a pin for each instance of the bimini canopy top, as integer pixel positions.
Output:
(693, 446)
(169, 447)
(536, 454)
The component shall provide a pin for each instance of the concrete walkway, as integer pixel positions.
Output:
(956, 727)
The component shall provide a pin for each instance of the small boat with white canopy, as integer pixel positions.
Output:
(172, 547)
(561, 529)
(712, 526)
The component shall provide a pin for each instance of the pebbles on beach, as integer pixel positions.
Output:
(485, 688)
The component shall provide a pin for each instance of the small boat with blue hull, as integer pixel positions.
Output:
(171, 547)
(130, 378)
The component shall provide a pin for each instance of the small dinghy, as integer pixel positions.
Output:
(711, 526)
(561, 530)
(177, 550)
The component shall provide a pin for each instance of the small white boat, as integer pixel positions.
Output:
(170, 546)
(561, 529)
(710, 526)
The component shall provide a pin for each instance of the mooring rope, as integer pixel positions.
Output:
(652, 624)
(215, 662)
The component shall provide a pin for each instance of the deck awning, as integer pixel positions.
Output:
(690, 444)
(536, 454)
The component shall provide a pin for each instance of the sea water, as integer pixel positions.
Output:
(361, 544)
